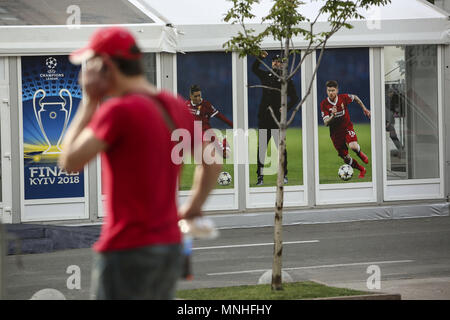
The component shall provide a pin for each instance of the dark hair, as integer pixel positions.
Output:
(130, 67)
(332, 84)
(276, 57)
(194, 88)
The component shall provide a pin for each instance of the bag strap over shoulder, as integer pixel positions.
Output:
(166, 117)
(158, 103)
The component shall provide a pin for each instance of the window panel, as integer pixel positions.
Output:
(350, 128)
(263, 131)
(411, 108)
(211, 102)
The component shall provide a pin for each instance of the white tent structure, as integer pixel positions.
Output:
(401, 22)
(168, 29)
(201, 27)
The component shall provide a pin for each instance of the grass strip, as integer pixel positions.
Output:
(291, 291)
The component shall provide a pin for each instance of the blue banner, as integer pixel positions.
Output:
(50, 98)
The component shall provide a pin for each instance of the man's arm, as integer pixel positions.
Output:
(327, 119)
(255, 66)
(205, 177)
(80, 144)
(327, 116)
(363, 107)
(256, 70)
(213, 112)
(222, 117)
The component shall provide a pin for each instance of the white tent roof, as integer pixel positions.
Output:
(401, 22)
(201, 28)
(194, 12)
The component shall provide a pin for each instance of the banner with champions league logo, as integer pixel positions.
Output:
(50, 98)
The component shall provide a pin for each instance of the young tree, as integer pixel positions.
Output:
(286, 23)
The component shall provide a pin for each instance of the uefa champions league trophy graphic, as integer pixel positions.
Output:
(53, 118)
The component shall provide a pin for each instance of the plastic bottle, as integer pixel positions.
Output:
(187, 252)
(198, 228)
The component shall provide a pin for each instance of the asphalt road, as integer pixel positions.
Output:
(409, 253)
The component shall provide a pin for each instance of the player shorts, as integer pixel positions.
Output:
(341, 139)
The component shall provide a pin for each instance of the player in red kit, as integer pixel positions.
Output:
(336, 116)
(203, 111)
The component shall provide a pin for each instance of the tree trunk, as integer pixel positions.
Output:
(277, 281)
(278, 229)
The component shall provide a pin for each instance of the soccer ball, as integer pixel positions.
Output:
(345, 172)
(51, 63)
(224, 178)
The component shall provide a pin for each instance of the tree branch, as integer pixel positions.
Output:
(308, 50)
(265, 87)
(293, 59)
(313, 77)
(274, 118)
(268, 68)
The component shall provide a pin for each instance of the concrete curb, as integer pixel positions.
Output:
(332, 215)
(374, 296)
(381, 296)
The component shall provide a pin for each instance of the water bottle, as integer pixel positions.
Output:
(199, 228)
(187, 252)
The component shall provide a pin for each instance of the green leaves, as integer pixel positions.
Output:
(241, 10)
(286, 21)
(245, 44)
(340, 11)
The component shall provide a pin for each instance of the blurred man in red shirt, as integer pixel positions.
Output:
(139, 252)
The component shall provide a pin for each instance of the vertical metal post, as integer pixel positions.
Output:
(309, 156)
(2, 259)
(377, 150)
(239, 122)
(16, 193)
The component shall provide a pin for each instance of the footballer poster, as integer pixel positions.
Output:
(344, 131)
(50, 98)
(204, 80)
(263, 144)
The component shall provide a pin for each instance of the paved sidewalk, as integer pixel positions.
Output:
(409, 289)
(39, 238)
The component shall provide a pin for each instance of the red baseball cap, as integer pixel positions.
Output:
(113, 41)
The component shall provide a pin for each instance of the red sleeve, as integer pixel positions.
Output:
(107, 122)
(209, 109)
(324, 109)
(225, 119)
(213, 112)
(348, 98)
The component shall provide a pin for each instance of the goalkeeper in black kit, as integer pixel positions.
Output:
(271, 98)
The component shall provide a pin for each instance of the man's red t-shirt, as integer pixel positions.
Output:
(341, 122)
(138, 174)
